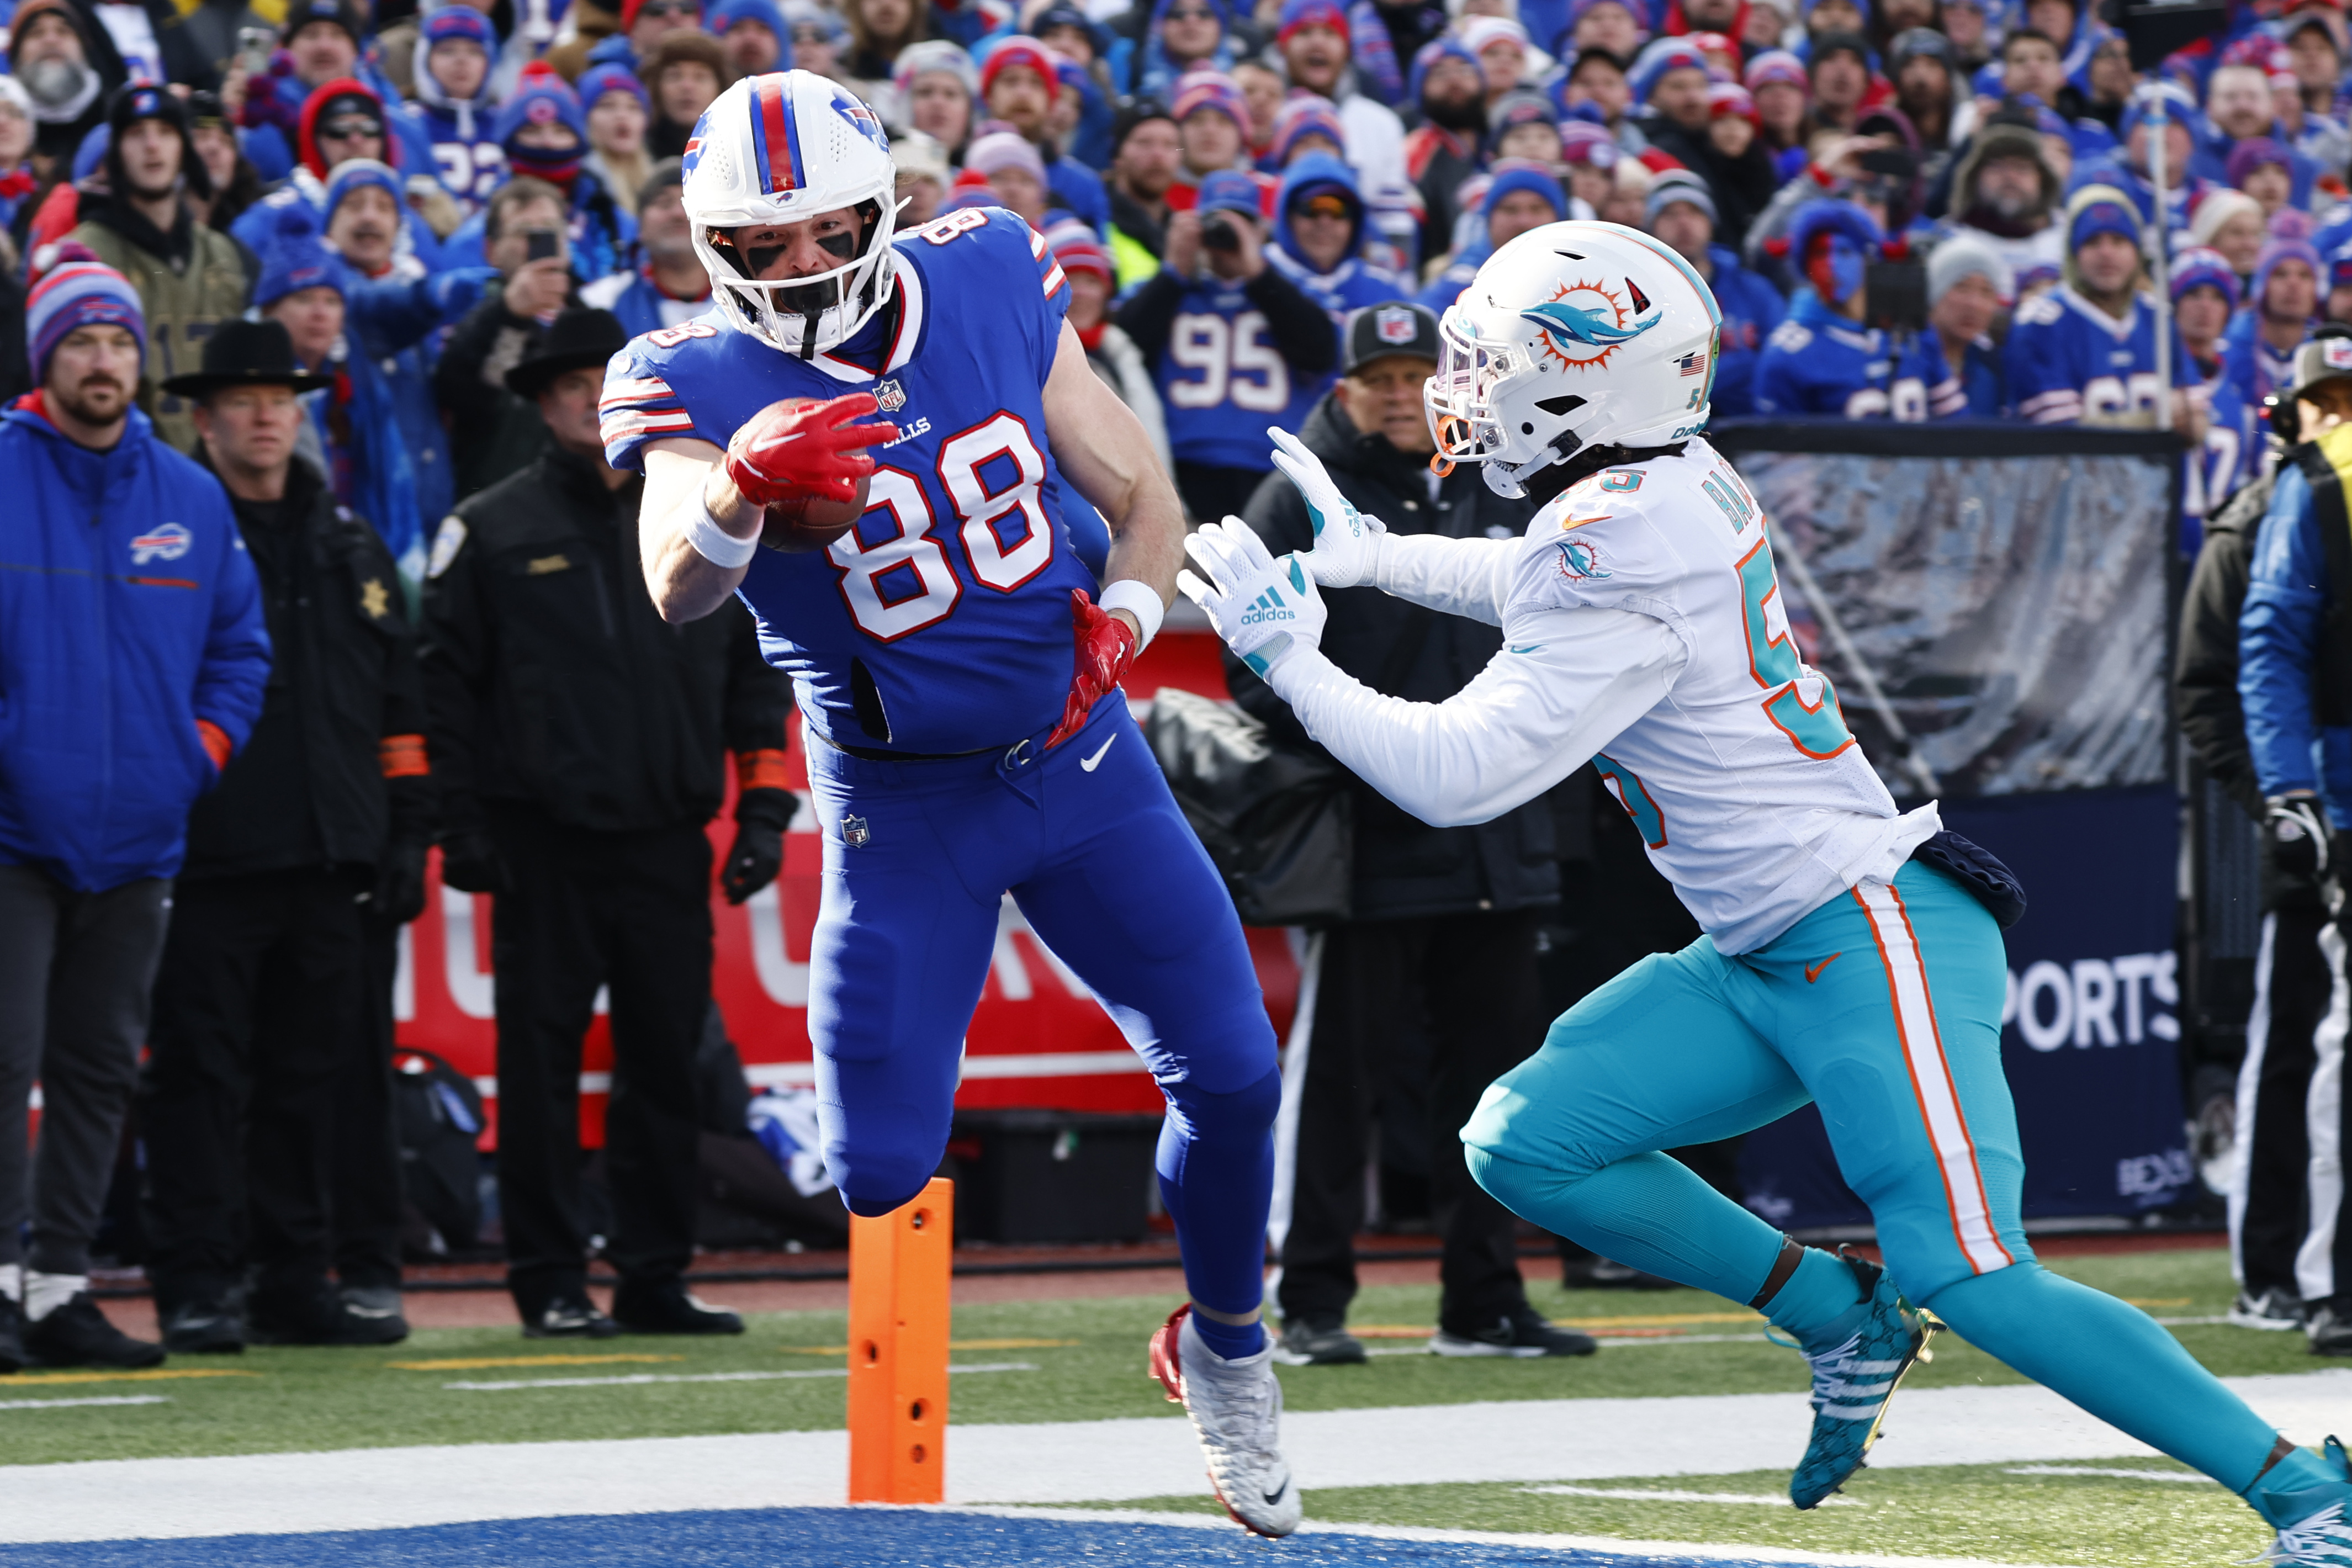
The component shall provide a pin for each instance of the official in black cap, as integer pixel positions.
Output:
(579, 742)
(318, 825)
(1438, 961)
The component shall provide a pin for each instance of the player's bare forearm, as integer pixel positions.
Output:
(1101, 448)
(681, 476)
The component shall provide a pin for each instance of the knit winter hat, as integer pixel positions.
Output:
(1001, 150)
(353, 172)
(2100, 209)
(2252, 153)
(1778, 65)
(1077, 249)
(611, 77)
(1297, 14)
(1965, 256)
(1677, 185)
(80, 291)
(1020, 50)
(293, 260)
(935, 57)
(1309, 114)
(1200, 90)
(459, 21)
(2282, 251)
(2199, 267)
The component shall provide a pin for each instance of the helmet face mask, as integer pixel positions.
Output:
(778, 150)
(1572, 335)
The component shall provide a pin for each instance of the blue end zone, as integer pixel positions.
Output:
(807, 1538)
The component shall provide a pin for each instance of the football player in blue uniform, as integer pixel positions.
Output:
(967, 736)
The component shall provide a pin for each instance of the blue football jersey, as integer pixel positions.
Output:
(2070, 362)
(940, 623)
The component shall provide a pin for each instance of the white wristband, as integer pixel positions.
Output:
(1137, 600)
(714, 544)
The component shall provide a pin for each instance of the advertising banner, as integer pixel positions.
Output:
(1990, 604)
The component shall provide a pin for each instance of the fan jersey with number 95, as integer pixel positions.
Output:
(941, 622)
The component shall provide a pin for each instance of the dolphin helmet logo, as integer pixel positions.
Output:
(1586, 322)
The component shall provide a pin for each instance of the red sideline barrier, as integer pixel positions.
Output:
(1038, 1038)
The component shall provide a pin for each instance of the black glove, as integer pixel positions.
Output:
(470, 863)
(399, 895)
(758, 853)
(2298, 833)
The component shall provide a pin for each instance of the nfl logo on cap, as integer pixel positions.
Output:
(1395, 326)
(2336, 353)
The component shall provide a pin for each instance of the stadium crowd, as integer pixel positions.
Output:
(315, 295)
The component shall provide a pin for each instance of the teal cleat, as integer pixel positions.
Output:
(2313, 1531)
(1854, 1383)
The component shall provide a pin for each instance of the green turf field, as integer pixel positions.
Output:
(1083, 1360)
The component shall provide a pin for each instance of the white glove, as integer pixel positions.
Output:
(1266, 608)
(1347, 541)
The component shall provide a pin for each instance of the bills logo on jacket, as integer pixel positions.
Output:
(168, 543)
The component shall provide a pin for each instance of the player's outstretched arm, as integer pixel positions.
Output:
(1567, 683)
(1470, 577)
(1101, 446)
(686, 481)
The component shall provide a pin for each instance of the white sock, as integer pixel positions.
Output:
(45, 1293)
(12, 1281)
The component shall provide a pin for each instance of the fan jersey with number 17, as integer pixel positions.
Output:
(941, 622)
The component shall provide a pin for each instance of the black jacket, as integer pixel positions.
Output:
(343, 705)
(551, 681)
(2205, 670)
(1405, 867)
(492, 433)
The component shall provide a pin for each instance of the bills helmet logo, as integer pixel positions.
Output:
(861, 119)
(1394, 325)
(891, 396)
(168, 543)
(854, 832)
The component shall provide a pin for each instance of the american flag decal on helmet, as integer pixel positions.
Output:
(1694, 364)
(775, 138)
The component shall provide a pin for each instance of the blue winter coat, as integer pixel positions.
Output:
(2278, 648)
(390, 323)
(129, 610)
(1751, 309)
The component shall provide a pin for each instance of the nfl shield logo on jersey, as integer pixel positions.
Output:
(1394, 325)
(852, 832)
(890, 395)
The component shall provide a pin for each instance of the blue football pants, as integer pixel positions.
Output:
(917, 857)
(1883, 1007)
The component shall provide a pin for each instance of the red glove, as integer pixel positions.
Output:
(1106, 647)
(802, 449)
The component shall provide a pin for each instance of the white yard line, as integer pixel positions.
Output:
(641, 1377)
(1638, 1494)
(2174, 1476)
(68, 1403)
(1677, 1549)
(1533, 1441)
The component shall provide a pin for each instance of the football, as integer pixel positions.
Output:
(811, 524)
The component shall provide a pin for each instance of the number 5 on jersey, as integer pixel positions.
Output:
(1818, 730)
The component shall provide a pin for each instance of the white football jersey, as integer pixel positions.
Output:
(1753, 798)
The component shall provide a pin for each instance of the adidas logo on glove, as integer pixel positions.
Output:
(1267, 607)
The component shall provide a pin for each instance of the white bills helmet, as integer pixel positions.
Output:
(783, 148)
(1572, 335)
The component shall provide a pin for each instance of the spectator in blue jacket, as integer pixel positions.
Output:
(135, 655)
(1681, 214)
(1318, 235)
(545, 135)
(2294, 680)
(667, 285)
(1522, 196)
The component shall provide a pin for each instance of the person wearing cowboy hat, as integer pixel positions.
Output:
(577, 740)
(307, 855)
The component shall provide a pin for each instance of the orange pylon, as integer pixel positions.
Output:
(899, 1266)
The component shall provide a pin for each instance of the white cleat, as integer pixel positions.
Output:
(1236, 1411)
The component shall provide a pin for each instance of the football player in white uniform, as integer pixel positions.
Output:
(1852, 956)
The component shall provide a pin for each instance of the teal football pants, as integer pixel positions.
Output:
(1883, 1007)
